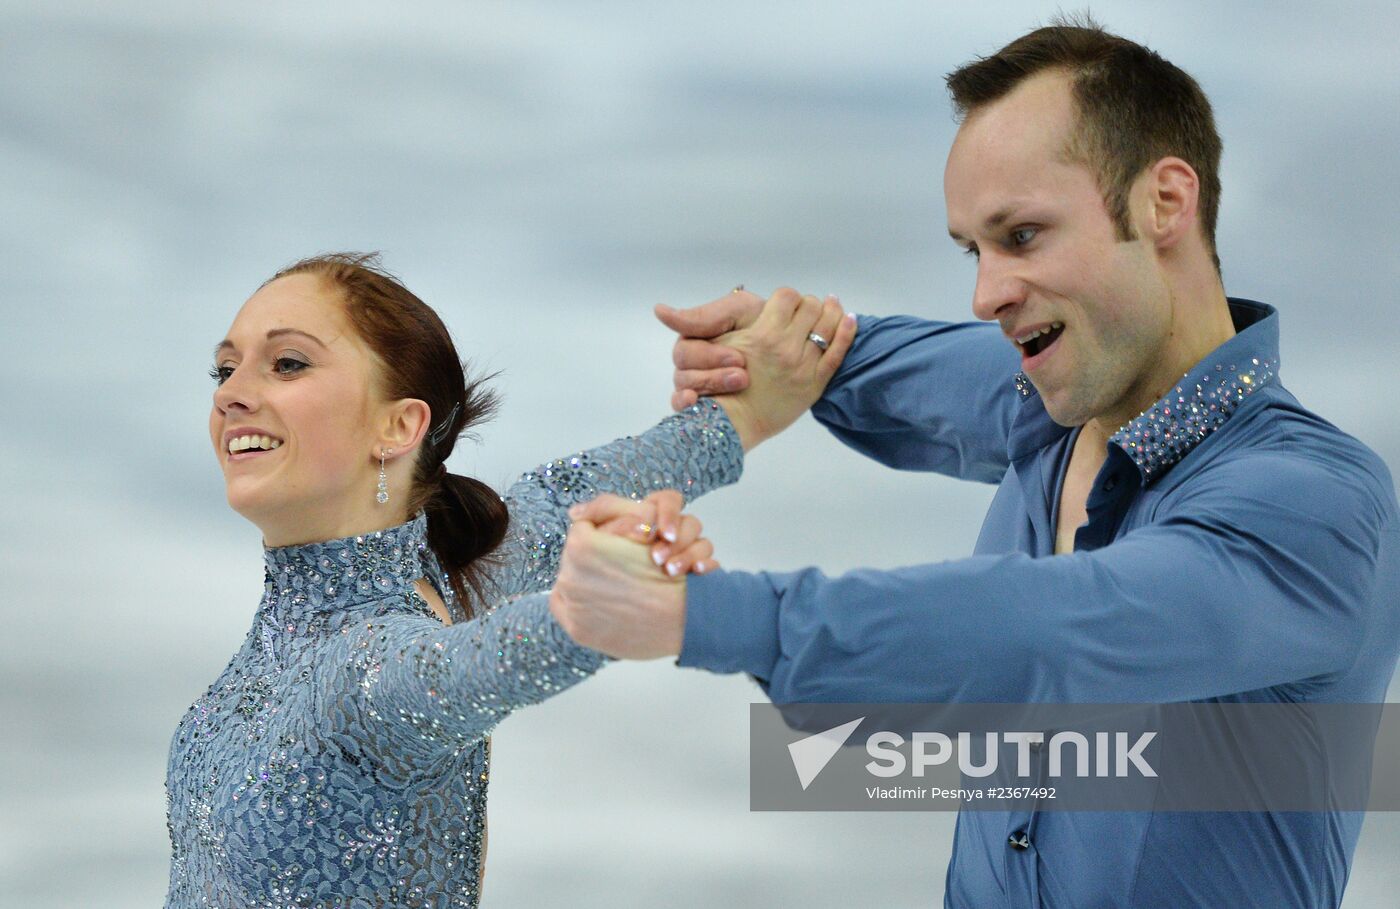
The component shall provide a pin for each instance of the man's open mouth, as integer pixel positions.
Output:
(1039, 340)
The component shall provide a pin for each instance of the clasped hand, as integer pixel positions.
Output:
(621, 583)
(622, 577)
(757, 357)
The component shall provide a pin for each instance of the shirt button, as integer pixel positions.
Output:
(1019, 840)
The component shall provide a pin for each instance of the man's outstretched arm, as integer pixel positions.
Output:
(1263, 575)
(911, 393)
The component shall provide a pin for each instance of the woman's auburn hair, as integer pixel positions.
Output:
(467, 520)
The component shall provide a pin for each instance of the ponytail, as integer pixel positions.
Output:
(467, 522)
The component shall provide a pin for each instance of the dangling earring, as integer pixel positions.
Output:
(382, 495)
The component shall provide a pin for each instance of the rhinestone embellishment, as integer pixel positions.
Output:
(1199, 405)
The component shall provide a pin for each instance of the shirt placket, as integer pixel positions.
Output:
(1118, 479)
(1023, 859)
(1108, 502)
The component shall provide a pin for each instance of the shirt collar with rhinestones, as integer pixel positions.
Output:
(1204, 398)
(336, 574)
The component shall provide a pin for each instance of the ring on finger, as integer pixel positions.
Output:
(817, 340)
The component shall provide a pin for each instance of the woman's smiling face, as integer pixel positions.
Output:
(293, 369)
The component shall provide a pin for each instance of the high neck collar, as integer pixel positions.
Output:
(1206, 395)
(335, 574)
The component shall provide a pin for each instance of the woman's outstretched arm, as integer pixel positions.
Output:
(695, 451)
(411, 690)
(407, 691)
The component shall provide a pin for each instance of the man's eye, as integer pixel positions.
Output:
(1022, 235)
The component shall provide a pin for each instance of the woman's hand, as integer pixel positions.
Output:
(675, 541)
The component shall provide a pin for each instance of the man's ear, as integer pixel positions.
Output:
(1173, 195)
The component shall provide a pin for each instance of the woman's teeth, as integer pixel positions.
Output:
(243, 443)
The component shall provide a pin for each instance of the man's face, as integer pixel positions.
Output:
(1048, 258)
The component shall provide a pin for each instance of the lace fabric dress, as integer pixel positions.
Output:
(340, 758)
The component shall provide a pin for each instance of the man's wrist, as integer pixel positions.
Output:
(677, 640)
(731, 623)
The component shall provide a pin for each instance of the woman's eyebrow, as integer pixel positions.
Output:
(226, 343)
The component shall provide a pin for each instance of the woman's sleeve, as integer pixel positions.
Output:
(409, 691)
(695, 451)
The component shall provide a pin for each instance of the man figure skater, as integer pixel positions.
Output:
(1170, 525)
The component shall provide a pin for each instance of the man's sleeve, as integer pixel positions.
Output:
(920, 395)
(1262, 574)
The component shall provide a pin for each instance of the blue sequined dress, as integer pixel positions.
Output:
(340, 759)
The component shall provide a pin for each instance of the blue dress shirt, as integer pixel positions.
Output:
(1238, 548)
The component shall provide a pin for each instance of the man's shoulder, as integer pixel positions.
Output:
(1280, 443)
(1285, 426)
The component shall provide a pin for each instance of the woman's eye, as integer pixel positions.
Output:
(1022, 235)
(284, 366)
(297, 364)
(971, 251)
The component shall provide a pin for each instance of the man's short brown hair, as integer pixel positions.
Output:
(1133, 107)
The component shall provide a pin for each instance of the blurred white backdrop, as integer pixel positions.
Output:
(542, 173)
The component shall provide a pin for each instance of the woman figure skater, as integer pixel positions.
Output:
(340, 759)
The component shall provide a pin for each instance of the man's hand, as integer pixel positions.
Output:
(610, 596)
(703, 365)
(757, 357)
(673, 538)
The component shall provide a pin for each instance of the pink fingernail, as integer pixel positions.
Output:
(672, 568)
(670, 534)
(659, 555)
(733, 381)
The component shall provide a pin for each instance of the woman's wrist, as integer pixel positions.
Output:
(745, 424)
